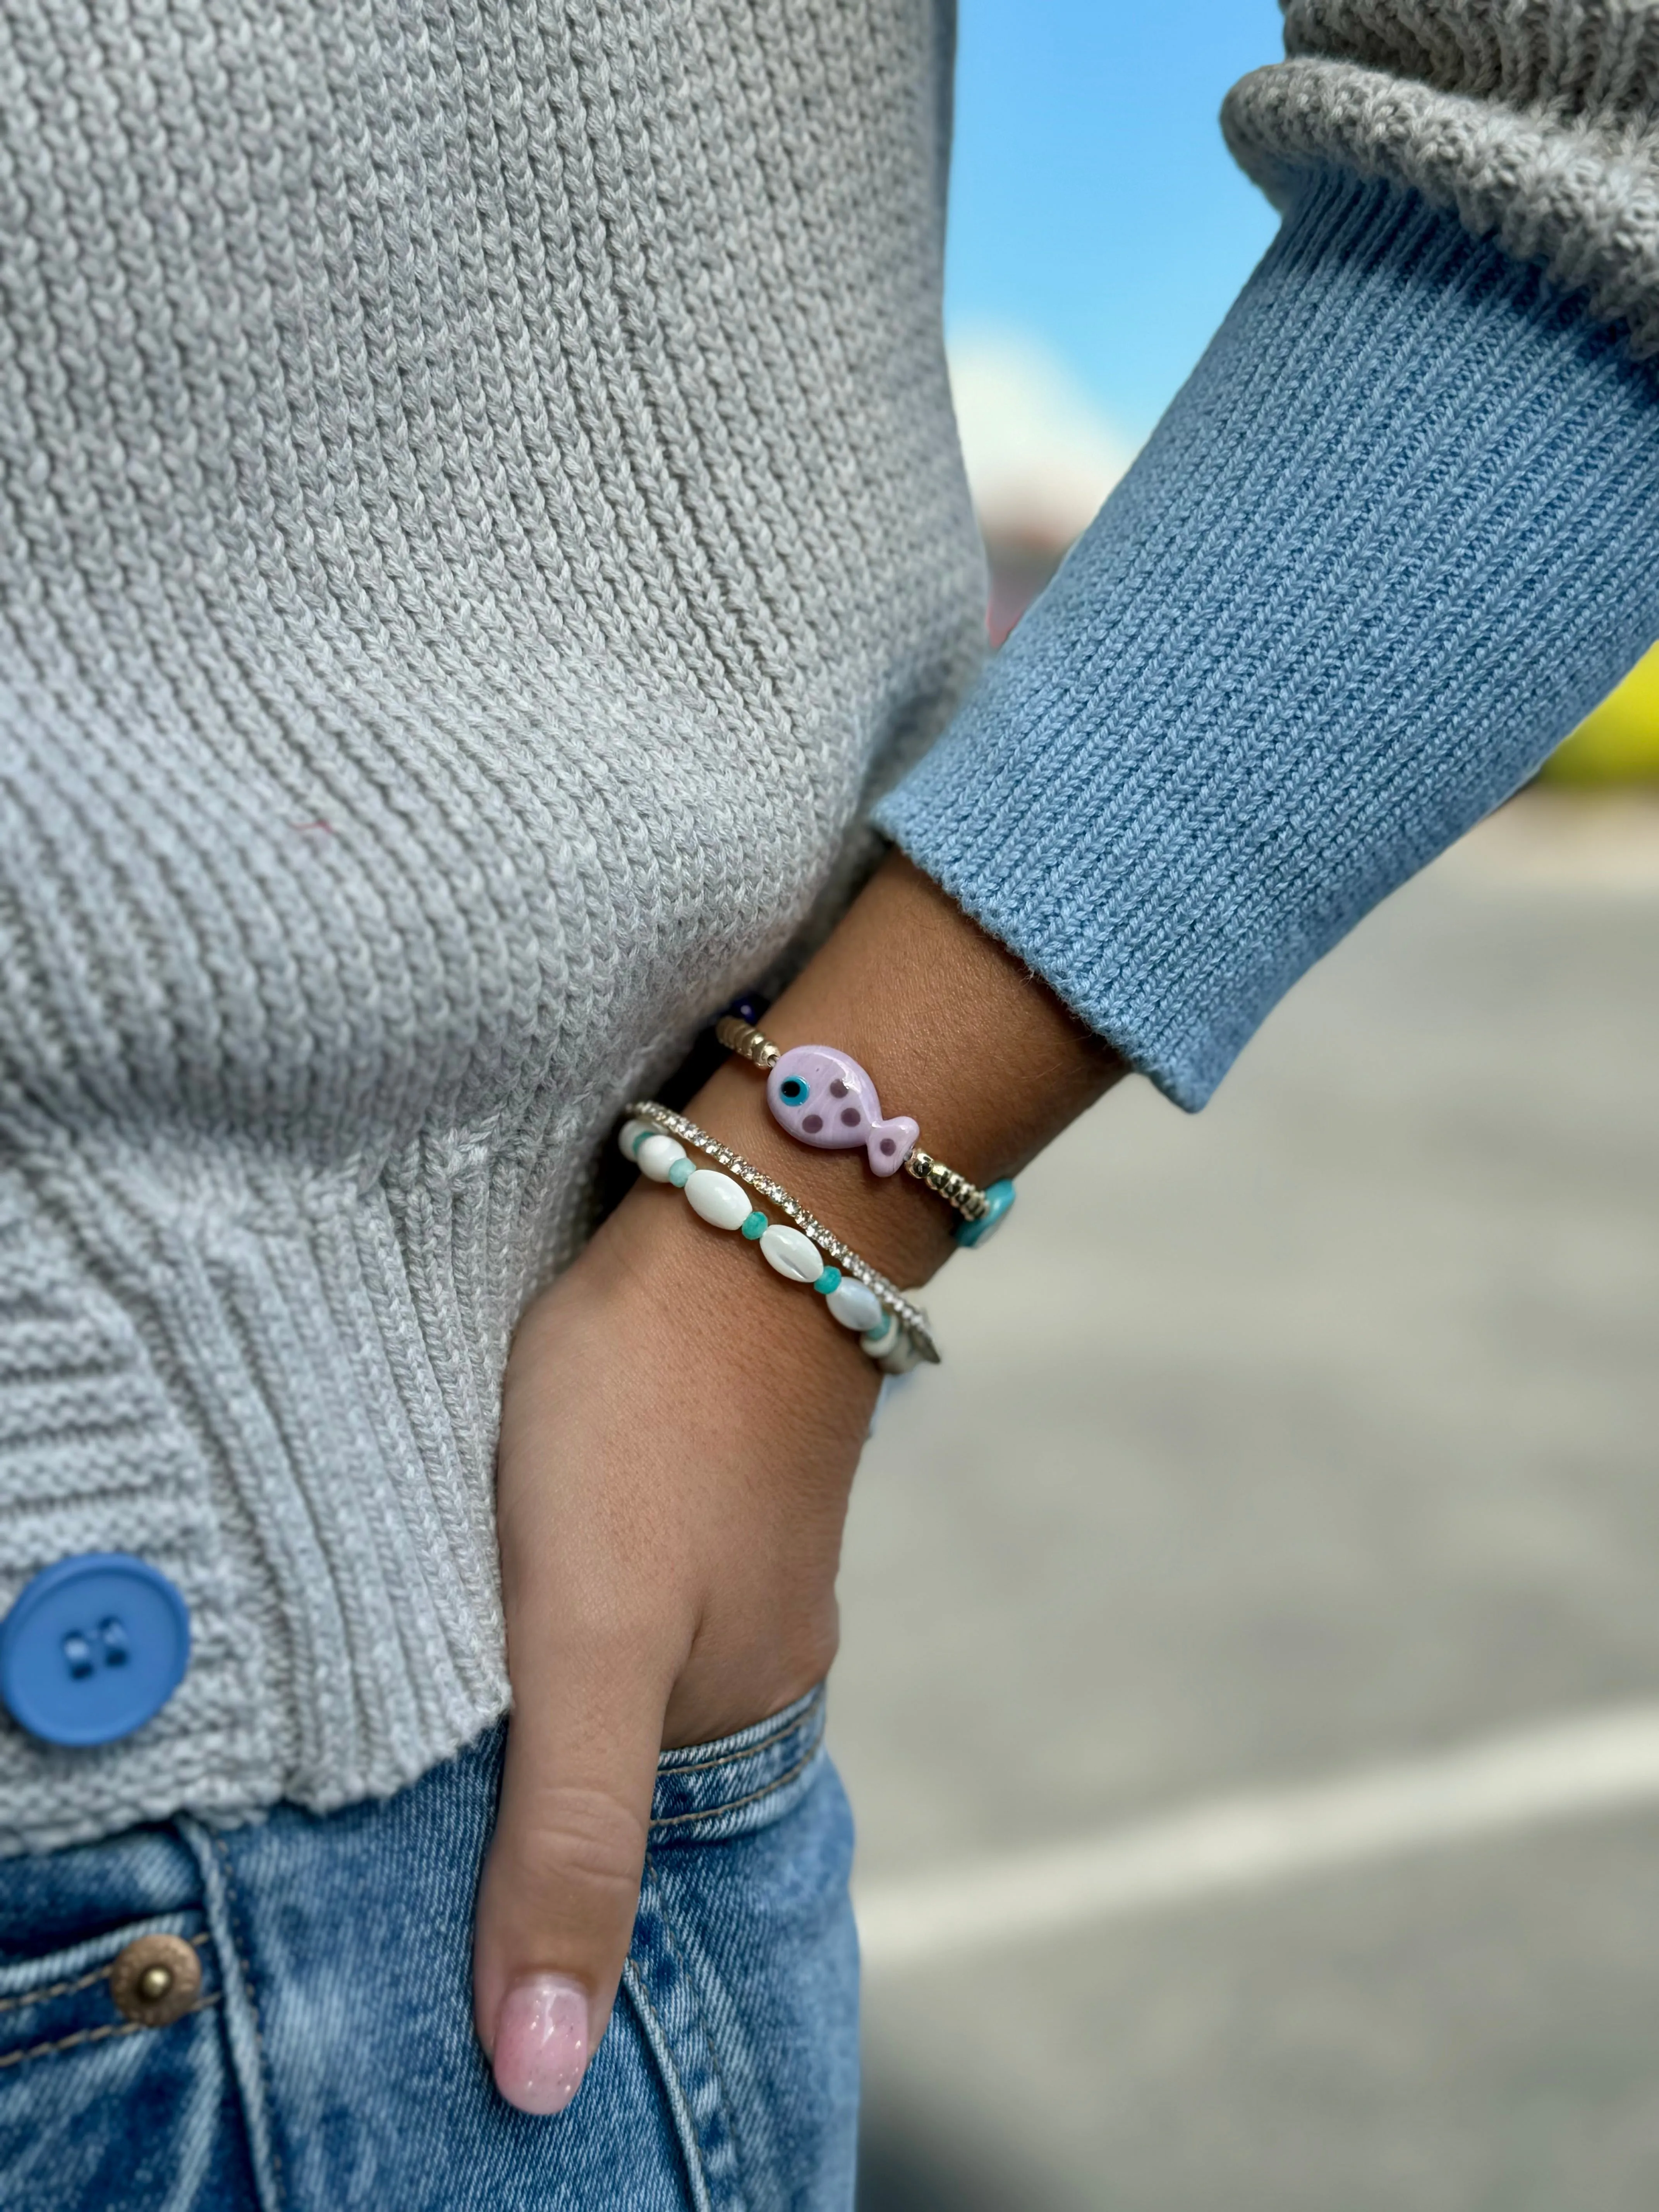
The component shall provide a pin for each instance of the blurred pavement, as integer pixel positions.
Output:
(1273, 1446)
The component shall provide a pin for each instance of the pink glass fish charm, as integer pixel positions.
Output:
(825, 1099)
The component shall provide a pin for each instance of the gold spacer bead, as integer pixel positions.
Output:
(747, 1043)
(969, 1200)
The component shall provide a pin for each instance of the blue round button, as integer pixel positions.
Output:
(94, 1648)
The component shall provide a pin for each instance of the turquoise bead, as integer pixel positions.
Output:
(681, 1174)
(631, 1136)
(828, 1281)
(1001, 1195)
(880, 1340)
(756, 1227)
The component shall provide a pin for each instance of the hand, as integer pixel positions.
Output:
(679, 1430)
(670, 1512)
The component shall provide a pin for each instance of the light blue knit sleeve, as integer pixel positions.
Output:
(1394, 537)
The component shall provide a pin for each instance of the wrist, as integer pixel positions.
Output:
(903, 1230)
(712, 1300)
(954, 1031)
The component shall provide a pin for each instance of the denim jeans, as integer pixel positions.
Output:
(328, 2059)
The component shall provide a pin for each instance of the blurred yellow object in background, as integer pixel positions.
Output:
(1619, 742)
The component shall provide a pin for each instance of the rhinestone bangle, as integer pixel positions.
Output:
(909, 1316)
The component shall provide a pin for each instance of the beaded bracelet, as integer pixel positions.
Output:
(824, 1099)
(890, 1328)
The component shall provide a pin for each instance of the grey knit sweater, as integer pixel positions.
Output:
(1536, 120)
(480, 522)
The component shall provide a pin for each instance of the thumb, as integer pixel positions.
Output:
(561, 1884)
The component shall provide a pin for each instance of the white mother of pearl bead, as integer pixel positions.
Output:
(657, 1155)
(627, 1134)
(854, 1306)
(718, 1199)
(792, 1254)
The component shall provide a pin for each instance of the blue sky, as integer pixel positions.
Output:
(1094, 208)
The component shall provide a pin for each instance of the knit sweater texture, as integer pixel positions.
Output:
(480, 519)
(1535, 121)
(480, 526)
(1394, 539)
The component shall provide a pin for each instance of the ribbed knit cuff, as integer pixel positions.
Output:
(1392, 541)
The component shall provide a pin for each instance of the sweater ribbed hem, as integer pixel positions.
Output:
(236, 1383)
(1391, 542)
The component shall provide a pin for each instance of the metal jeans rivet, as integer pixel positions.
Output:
(156, 1980)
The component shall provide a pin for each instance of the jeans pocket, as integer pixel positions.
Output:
(744, 1971)
(112, 2074)
(710, 1792)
